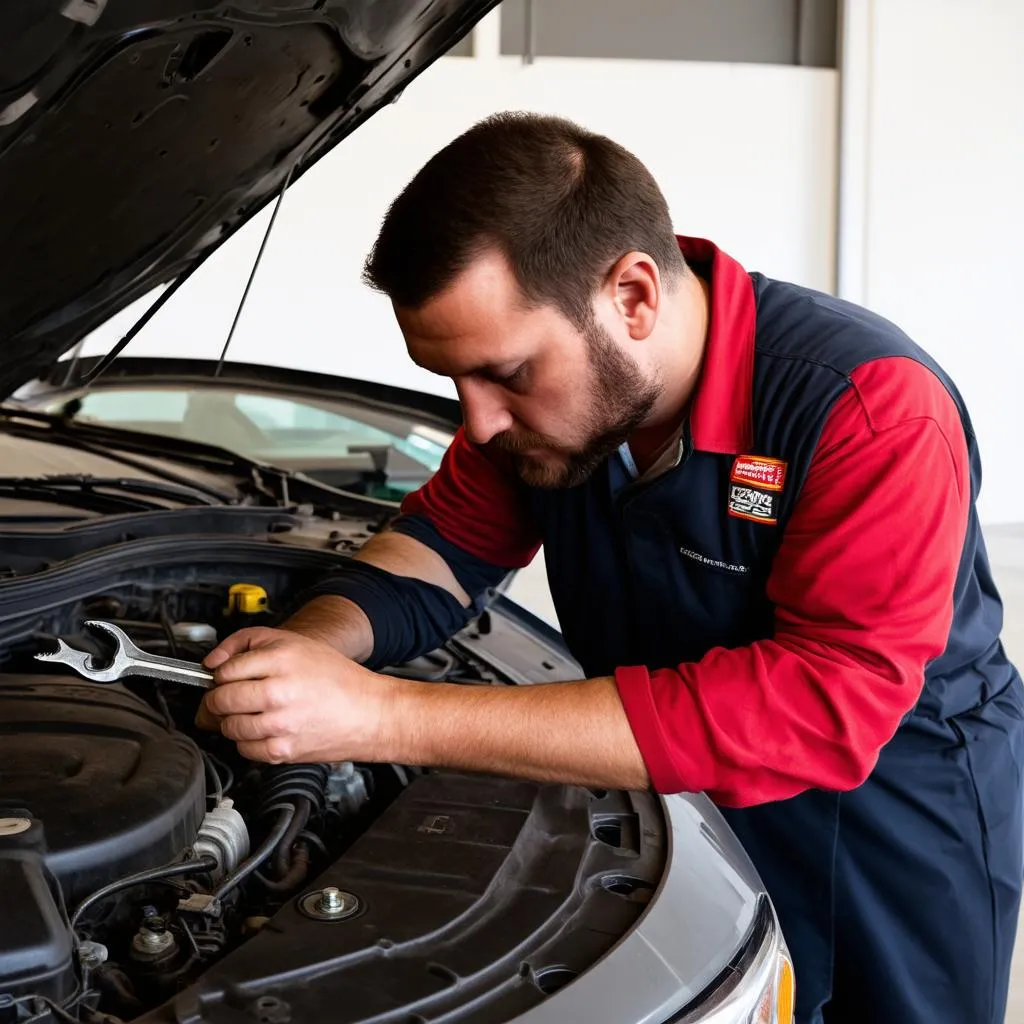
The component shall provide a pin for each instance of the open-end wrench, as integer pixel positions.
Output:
(128, 660)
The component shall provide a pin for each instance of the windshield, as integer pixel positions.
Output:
(343, 444)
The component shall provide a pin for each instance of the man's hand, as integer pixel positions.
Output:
(236, 643)
(286, 697)
(333, 620)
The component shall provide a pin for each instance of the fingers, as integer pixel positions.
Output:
(253, 727)
(277, 694)
(246, 697)
(272, 751)
(244, 640)
(253, 663)
(206, 719)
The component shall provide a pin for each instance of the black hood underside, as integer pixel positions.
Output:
(138, 135)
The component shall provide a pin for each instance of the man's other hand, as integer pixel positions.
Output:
(243, 640)
(286, 697)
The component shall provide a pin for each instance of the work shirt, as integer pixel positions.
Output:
(769, 605)
(796, 606)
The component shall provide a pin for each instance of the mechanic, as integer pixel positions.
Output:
(757, 507)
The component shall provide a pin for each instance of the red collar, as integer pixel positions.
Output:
(721, 416)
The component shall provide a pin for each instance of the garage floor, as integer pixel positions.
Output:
(1006, 549)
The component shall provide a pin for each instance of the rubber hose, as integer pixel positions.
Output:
(247, 867)
(188, 867)
(113, 980)
(306, 780)
(282, 856)
(218, 789)
(294, 876)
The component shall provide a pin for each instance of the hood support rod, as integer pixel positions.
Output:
(252, 274)
(133, 332)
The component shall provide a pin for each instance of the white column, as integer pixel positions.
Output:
(487, 36)
(855, 101)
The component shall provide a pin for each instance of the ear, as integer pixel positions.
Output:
(634, 287)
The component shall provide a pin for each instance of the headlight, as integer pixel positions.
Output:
(757, 987)
(778, 998)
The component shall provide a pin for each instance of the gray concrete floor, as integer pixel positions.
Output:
(1006, 550)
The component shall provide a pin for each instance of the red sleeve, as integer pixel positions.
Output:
(863, 591)
(478, 504)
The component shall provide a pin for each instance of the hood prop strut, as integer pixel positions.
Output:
(252, 273)
(133, 331)
(155, 308)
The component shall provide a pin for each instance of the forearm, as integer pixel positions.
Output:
(336, 621)
(405, 556)
(340, 621)
(554, 732)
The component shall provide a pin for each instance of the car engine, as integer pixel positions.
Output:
(149, 873)
(135, 849)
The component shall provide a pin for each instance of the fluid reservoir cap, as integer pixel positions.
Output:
(14, 826)
(194, 632)
(246, 599)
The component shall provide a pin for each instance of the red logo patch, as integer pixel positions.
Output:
(769, 474)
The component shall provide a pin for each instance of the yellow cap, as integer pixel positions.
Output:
(246, 598)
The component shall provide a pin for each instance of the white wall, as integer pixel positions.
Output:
(934, 197)
(746, 155)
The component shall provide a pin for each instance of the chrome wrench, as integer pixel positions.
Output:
(128, 660)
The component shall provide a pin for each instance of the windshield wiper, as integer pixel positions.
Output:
(94, 493)
(266, 483)
(108, 443)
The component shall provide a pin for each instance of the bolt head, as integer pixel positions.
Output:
(331, 898)
(330, 904)
(151, 944)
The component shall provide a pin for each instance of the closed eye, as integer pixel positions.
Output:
(511, 379)
(517, 376)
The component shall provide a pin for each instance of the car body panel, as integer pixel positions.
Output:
(704, 907)
(136, 136)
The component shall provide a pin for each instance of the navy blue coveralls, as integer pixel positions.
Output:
(801, 621)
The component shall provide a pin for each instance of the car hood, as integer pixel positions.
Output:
(136, 136)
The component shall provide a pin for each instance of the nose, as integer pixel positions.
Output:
(483, 412)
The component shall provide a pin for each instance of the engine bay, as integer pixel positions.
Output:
(149, 873)
(102, 784)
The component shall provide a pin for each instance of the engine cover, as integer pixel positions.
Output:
(115, 790)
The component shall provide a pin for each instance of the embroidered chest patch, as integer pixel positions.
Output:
(755, 487)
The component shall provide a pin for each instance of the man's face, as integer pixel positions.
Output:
(557, 399)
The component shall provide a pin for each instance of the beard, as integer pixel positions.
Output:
(620, 399)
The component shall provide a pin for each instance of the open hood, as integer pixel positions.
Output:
(138, 135)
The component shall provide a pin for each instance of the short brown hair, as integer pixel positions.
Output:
(562, 204)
